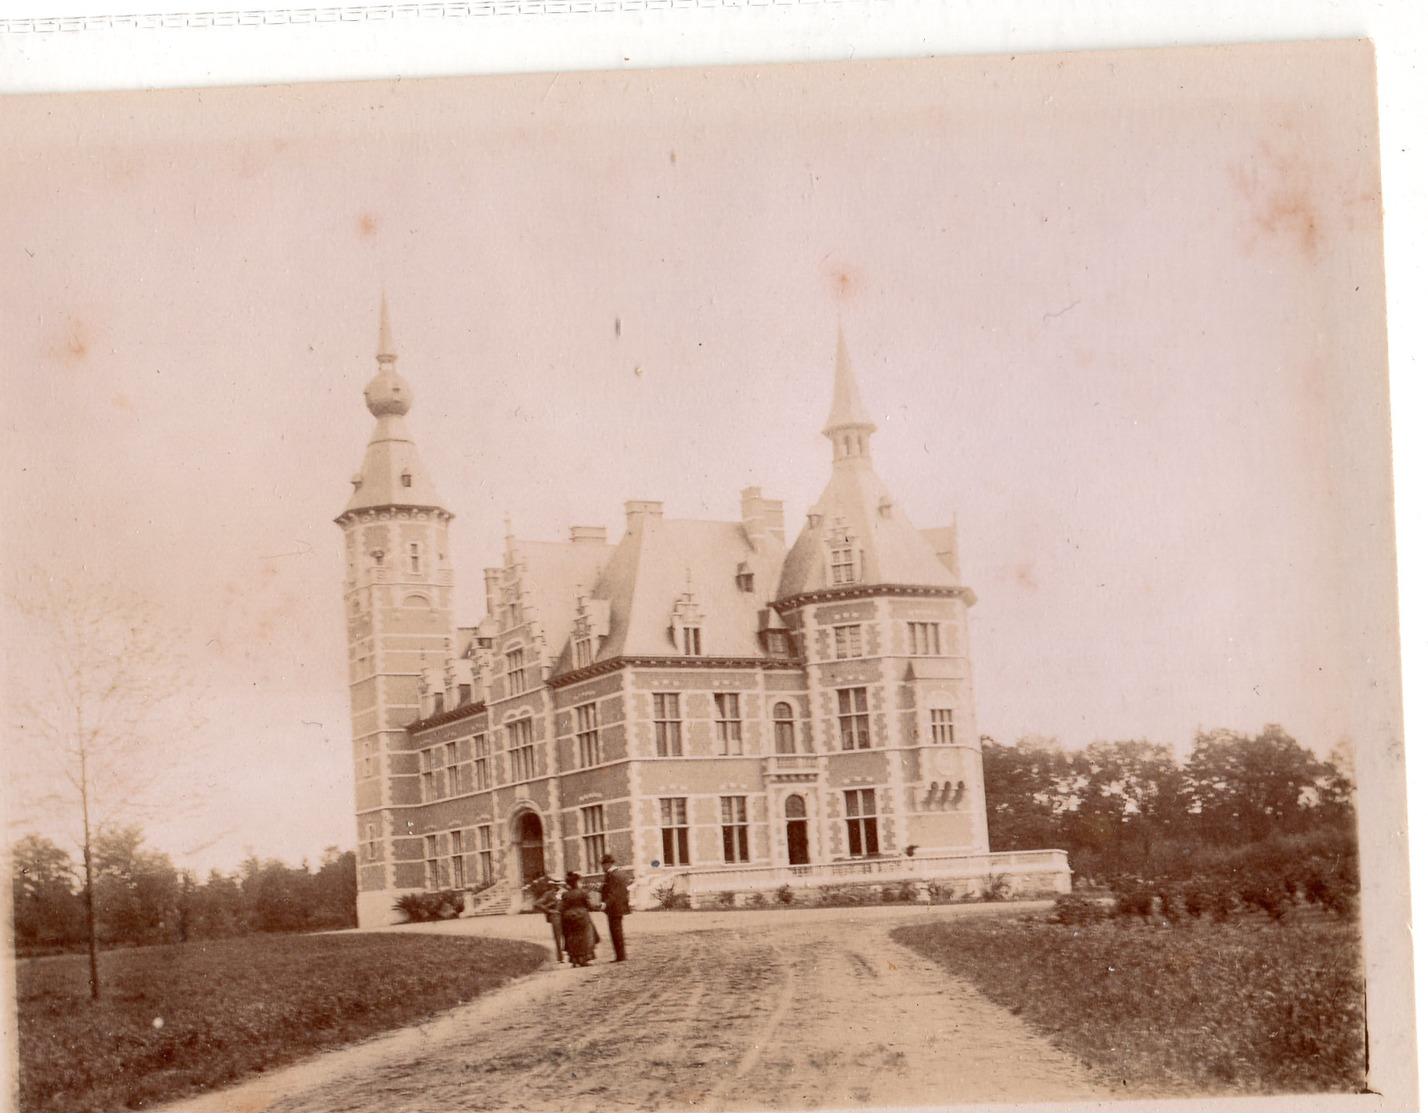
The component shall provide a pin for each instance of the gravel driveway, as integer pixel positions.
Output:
(713, 1011)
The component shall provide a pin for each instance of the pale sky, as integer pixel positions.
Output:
(1120, 315)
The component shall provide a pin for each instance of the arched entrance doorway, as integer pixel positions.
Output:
(795, 811)
(530, 846)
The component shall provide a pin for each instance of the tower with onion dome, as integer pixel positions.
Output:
(880, 614)
(397, 596)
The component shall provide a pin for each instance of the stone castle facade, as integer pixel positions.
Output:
(722, 712)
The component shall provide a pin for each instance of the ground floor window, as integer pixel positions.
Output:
(674, 826)
(734, 816)
(592, 836)
(861, 807)
(433, 860)
(458, 861)
(484, 862)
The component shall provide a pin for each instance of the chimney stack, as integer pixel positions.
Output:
(636, 510)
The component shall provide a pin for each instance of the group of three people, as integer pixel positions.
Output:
(568, 912)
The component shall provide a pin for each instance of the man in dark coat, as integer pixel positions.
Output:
(615, 896)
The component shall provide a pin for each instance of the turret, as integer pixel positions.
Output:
(397, 597)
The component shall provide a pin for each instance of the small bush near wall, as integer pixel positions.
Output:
(669, 900)
(421, 908)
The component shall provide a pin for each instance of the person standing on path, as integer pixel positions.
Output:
(615, 896)
(547, 899)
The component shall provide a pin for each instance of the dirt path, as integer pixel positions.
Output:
(800, 1013)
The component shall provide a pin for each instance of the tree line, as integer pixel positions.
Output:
(141, 898)
(1129, 808)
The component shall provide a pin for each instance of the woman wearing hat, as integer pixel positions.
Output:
(575, 922)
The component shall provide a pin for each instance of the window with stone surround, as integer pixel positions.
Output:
(734, 819)
(516, 673)
(924, 639)
(482, 765)
(693, 641)
(783, 729)
(853, 730)
(728, 729)
(453, 770)
(522, 748)
(371, 841)
(674, 828)
(860, 805)
(483, 855)
(592, 836)
(668, 739)
(943, 726)
(458, 861)
(848, 641)
(433, 873)
(587, 735)
(583, 655)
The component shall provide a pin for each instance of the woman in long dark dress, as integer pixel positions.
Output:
(575, 922)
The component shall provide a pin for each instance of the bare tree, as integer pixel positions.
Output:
(108, 708)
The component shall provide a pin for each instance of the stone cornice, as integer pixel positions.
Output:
(600, 668)
(441, 718)
(384, 513)
(864, 591)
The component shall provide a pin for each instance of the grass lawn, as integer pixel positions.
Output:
(179, 1019)
(1246, 1006)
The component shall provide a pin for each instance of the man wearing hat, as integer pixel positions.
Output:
(615, 896)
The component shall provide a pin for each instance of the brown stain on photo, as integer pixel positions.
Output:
(368, 223)
(1279, 185)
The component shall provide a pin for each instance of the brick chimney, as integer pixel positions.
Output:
(636, 510)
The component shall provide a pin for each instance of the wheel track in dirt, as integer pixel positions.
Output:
(800, 1014)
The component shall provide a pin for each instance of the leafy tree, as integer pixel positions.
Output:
(48, 912)
(1241, 789)
(1131, 796)
(1029, 790)
(136, 895)
(107, 710)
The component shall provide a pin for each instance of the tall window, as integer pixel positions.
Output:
(674, 826)
(592, 836)
(583, 655)
(693, 642)
(942, 726)
(847, 641)
(414, 557)
(728, 730)
(453, 770)
(433, 874)
(458, 861)
(518, 741)
(483, 857)
(482, 767)
(371, 842)
(515, 671)
(428, 778)
(924, 639)
(587, 735)
(861, 806)
(783, 729)
(734, 816)
(853, 718)
(666, 723)
(842, 564)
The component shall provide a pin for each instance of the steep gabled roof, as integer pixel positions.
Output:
(554, 573)
(658, 563)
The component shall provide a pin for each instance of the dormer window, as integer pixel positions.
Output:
(842, 564)
(583, 654)
(693, 642)
(406, 479)
(744, 577)
(685, 626)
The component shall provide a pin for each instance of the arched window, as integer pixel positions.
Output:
(783, 729)
(795, 808)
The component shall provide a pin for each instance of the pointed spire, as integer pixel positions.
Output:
(848, 423)
(386, 350)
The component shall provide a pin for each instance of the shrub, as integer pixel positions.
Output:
(726, 900)
(938, 893)
(1074, 910)
(907, 891)
(1133, 898)
(784, 894)
(669, 900)
(756, 900)
(996, 887)
(419, 908)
